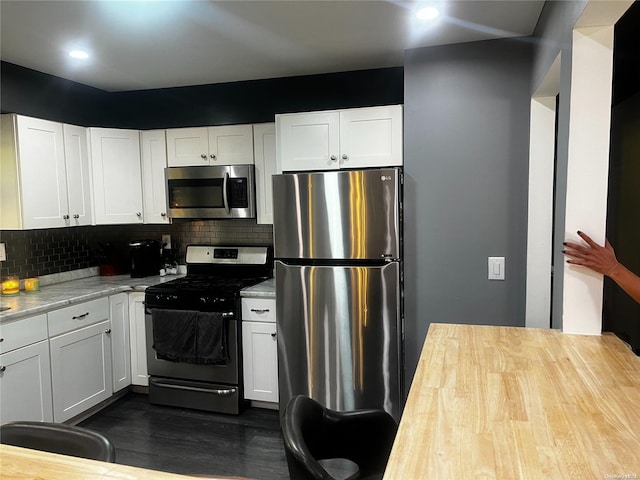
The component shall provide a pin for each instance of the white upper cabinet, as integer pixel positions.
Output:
(76, 153)
(154, 188)
(308, 141)
(264, 142)
(371, 137)
(225, 145)
(330, 140)
(32, 171)
(231, 145)
(117, 182)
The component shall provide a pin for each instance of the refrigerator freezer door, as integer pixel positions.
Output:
(339, 335)
(353, 214)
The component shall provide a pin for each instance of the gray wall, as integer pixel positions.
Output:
(466, 168)
(552, 34)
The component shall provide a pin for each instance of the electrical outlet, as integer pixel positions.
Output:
(166, 241)
(3, 252)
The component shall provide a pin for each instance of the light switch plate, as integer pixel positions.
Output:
(3, 252)
(496, 268)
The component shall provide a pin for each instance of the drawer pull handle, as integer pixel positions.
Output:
(78, 317)
(2, 369)
(259, 310)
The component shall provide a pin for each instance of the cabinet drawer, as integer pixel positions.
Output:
(259, 309)
(20, 333)
(78, 316)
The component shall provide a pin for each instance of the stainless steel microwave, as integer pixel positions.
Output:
(225, 191)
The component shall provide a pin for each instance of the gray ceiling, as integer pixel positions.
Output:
(154, 44)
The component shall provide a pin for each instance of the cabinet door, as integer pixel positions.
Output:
(264, 144)
(42, 173)
(187, 147)
(308, 141)
(76, 154)
(154, 188)
(260, 361)
(139, 374)
(117, 179)
(25, 384)
(80, 370)
(231, 145)
(120, 343)
(371, 137)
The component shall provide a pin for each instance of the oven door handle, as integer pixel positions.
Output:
(217, 391)
(225, 194)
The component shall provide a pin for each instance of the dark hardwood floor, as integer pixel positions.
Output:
(193, 442)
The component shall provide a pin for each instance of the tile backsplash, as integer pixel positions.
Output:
(43, 252)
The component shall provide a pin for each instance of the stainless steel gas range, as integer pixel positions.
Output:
(193, 328)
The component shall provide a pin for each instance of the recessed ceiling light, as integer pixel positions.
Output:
(427, 13)
(79, 54)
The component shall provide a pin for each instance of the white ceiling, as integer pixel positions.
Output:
(153, 44)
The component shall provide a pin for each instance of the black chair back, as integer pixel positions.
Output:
(58, 438)
(312, 432)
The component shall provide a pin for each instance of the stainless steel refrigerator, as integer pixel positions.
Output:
(338, 249)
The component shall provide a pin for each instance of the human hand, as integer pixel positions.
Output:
(599, 259)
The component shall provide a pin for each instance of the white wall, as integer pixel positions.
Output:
(540, 211)
(587, 171)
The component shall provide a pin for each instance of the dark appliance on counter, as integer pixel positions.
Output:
(338, 249)
(145, 258)
(221, 191)
(193, 328)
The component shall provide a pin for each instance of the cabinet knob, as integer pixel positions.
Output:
(2, 369)
(333, 158)
(65, 217)
(139, 214)
(163, 214)
(75, 215)
(273, 335)
(204, 156)
(107, 331)
(1, 340)
(345, 156)
(213, 156)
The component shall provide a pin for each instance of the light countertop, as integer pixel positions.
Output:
(75, 291)
(265, 289)
(67, 293)
(516, 403)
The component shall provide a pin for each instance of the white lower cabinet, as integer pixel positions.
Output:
(80, 344)
(260, 349)
(25, 384)
(120, 343)
(139, 375)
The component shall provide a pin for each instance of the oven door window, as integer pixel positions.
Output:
(196, 193)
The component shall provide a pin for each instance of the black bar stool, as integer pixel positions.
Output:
(58, 438)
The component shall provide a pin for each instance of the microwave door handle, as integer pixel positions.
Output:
(225, 198)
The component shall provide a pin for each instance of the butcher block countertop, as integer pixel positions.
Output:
(511, 403)
(18, 463)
